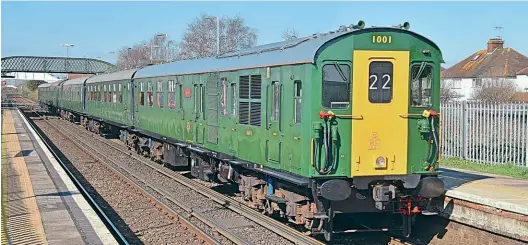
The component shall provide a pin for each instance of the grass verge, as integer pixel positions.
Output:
(506, 169)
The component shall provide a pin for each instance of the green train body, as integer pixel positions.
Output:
(342, 122)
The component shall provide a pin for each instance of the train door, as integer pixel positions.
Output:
(199, 93)
(224, 120)
(232, 84)
(274, 124)
(83, 97)
(380, 98)
(138, 94)
(212, 104)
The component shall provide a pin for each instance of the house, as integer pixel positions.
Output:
(486, 68)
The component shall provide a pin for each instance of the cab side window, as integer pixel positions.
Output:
(336, 85)
(421, 85)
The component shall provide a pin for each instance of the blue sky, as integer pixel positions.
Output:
(97, 28)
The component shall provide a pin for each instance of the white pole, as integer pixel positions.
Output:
(217, 35)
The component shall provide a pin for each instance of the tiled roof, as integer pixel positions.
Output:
(505, 62)
(521, 96)
(523, 71)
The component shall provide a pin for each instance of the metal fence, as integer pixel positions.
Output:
(485, 132)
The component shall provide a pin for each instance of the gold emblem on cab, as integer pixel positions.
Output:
(374, 141)
(188, 126)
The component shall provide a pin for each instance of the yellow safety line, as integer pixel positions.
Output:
(26, 199)
(4, 238)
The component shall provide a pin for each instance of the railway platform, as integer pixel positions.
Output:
(40, 203)
(490, 202)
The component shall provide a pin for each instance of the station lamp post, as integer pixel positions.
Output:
(67, 48)
(166, 36)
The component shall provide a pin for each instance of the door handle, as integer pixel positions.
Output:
(349, 116)
(409, 115)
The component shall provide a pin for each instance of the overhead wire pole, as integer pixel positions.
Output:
(217, 34)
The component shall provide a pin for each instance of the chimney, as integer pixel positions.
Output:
(495, 43)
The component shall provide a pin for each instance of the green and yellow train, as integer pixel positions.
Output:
(344, 122)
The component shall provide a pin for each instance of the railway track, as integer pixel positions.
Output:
(231, 219)
(131, 165)
(136, 215)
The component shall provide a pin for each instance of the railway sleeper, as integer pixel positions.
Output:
(313, 209)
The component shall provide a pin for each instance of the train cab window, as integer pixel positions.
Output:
(336, 85)
(297, 97)
(421, 85)
(380, 82)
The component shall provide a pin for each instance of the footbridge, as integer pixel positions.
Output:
(40, 64)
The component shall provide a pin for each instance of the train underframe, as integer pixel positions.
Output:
(311, 203)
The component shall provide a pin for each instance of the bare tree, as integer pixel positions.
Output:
(447, 92)
(289, 34)
(154, 51)
(200, 38)
(495, 90)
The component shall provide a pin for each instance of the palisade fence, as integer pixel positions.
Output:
(489, 133)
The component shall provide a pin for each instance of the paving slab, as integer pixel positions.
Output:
(492, 190)
(43, 204)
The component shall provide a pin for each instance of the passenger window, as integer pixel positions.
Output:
(172, 95)
(421, 85)
(276, 100)
(233, 99)
(223, 96)
(141, 97)
(336, 85)
(181, 97)
(159, 94)
(380, 82)
(150, 99)
(297, 97)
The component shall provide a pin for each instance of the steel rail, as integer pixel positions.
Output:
(169, 210)
(236, 206)
(242, 209)
(108, 223)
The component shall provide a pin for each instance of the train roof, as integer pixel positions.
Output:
(44, 85)
(74, 81)
(299, 51)
(114, 76)
(56, 84)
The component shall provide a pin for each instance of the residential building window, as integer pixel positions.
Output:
(477, 82)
